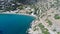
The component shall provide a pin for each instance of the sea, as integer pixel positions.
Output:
(15, 23)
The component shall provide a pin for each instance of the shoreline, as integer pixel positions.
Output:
(31, 15)
(21, 14)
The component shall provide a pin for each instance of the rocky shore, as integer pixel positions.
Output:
(47, 14)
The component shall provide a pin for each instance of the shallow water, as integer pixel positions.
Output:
(14, 23)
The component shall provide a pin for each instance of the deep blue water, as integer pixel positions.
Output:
(14, 23)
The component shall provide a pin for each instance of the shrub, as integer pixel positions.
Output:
(57, 16)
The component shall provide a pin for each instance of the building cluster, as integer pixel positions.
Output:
(7, 5)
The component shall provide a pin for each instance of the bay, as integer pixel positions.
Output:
(14, 23)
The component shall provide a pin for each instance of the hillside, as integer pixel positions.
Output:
(48, 18)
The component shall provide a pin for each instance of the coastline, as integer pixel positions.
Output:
(21, 14)
(31, 15)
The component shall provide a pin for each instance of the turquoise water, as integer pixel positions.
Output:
(14, 23)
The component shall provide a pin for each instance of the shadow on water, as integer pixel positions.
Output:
(1, 32)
